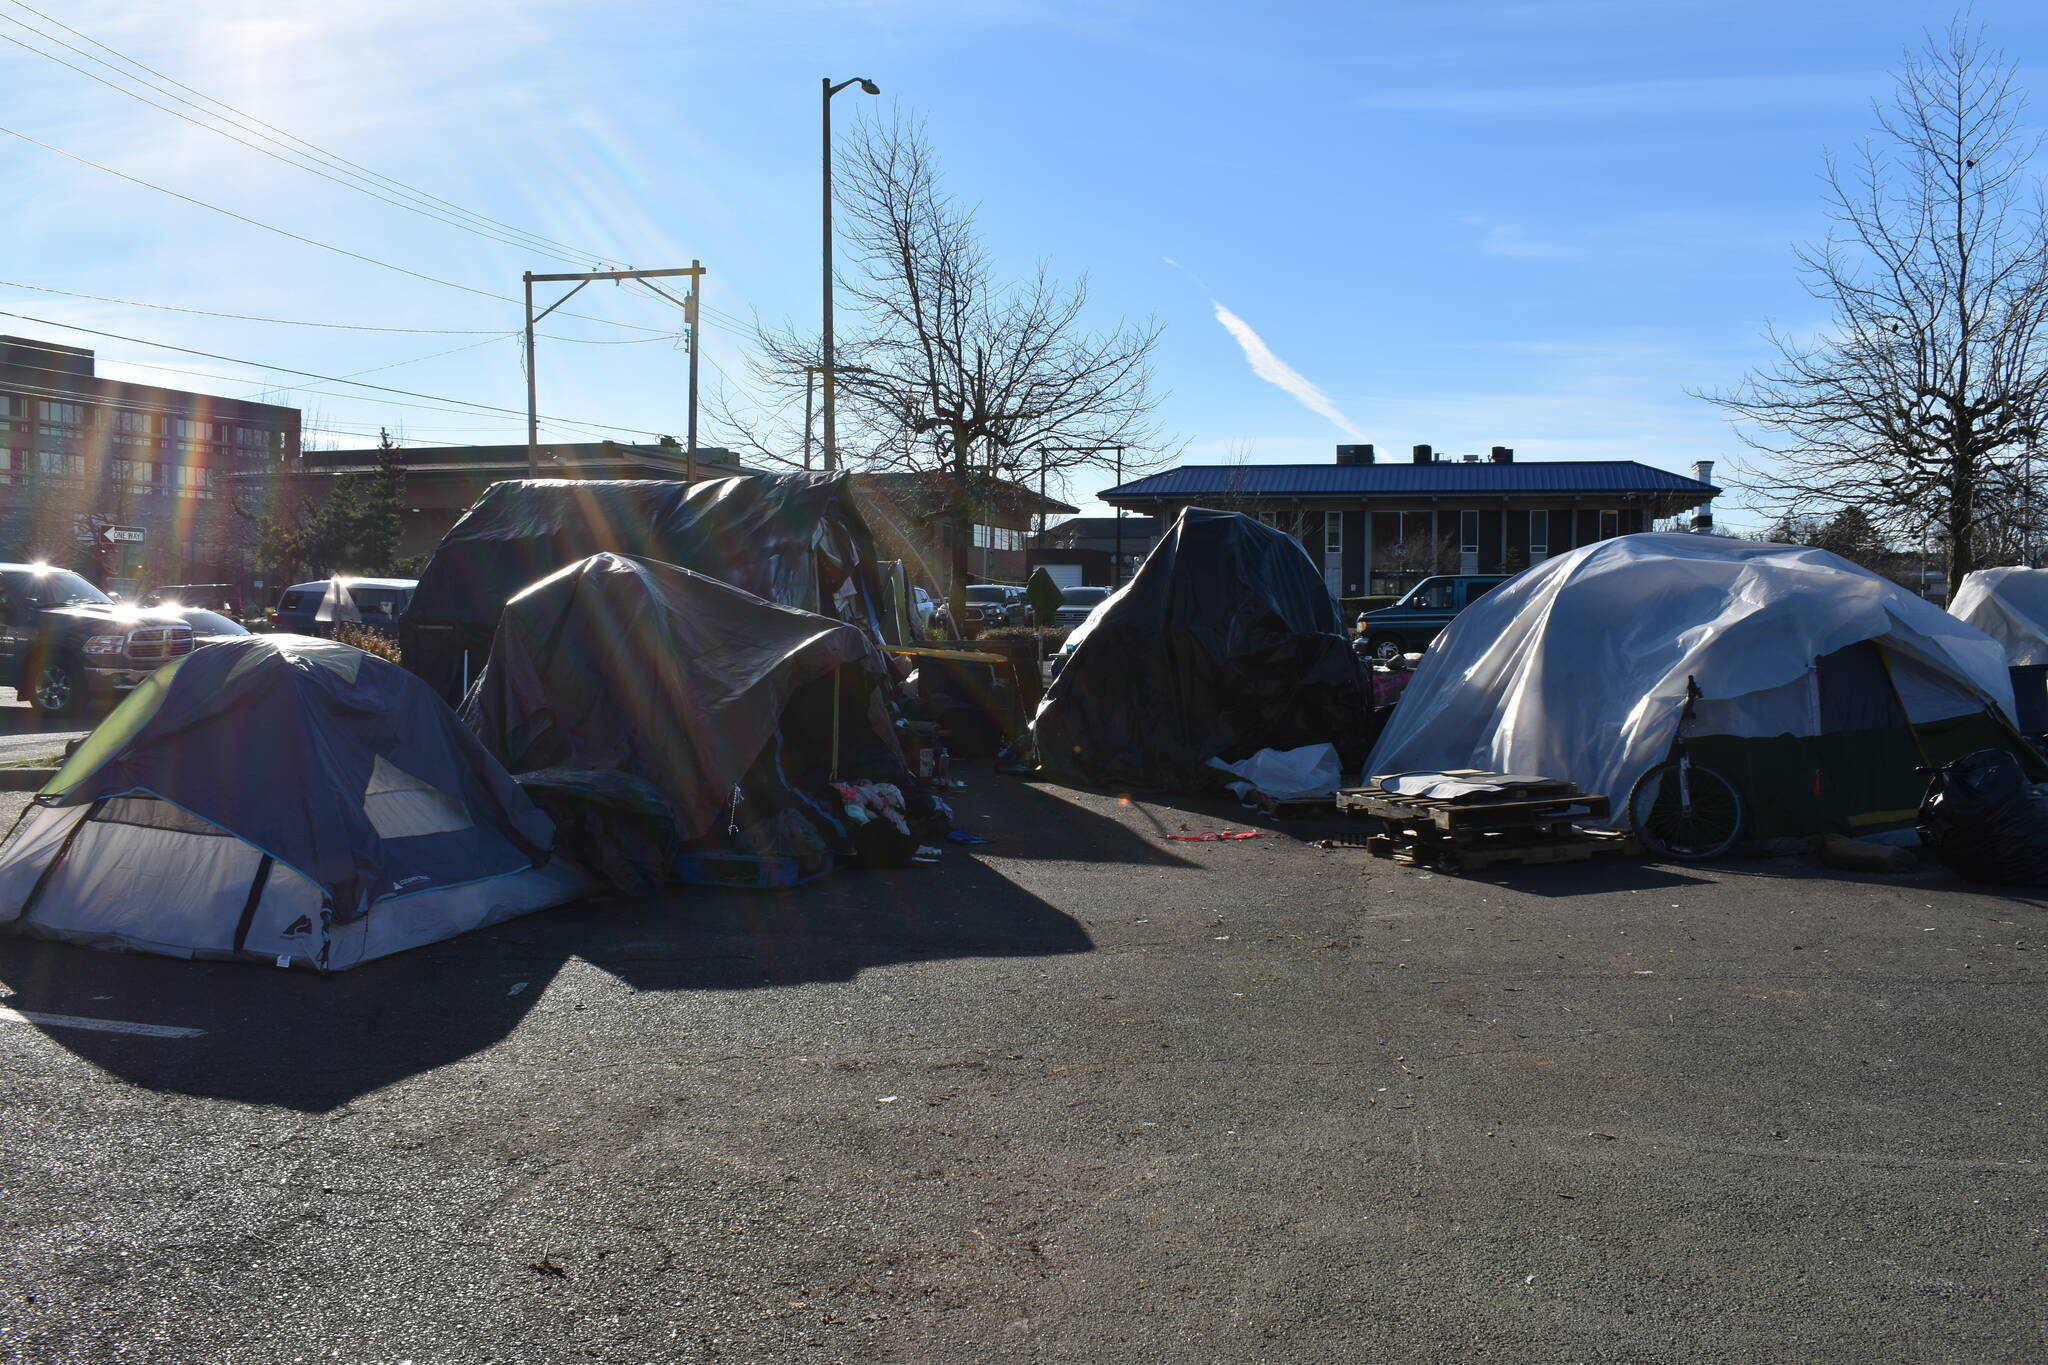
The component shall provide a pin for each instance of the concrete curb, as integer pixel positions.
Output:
(25, 779)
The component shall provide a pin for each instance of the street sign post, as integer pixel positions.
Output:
(1045, 597)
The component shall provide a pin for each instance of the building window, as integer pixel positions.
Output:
(59, 464)
(1539, 537)
(1333, 533)
(1610, 525)
(136, 423)
(63, 414)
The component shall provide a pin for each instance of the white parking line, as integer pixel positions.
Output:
(40, 1020)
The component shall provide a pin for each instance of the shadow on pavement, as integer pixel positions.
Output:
(315, 1043)
(1029, 819)
(23, 719)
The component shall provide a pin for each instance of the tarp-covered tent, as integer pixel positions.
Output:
(280, 798)
(624, 665)
(2011, 606)
(1824, 685)
(794, 539)
(1226, 641)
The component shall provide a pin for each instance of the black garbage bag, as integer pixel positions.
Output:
(1983, 818)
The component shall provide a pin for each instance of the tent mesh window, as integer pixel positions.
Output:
(401, 806)
(147, 812)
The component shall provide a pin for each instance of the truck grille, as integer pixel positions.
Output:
(156, 644)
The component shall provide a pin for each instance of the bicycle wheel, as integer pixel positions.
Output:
(1689, 830)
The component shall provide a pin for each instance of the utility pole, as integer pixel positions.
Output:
(689, 306)
(690, 320)
(811, 373)
(1117, 566)
(831, 429)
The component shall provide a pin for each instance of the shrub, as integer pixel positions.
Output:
(1055, 636)
(369, 641)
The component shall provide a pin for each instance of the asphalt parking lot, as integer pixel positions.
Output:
(1079, 1094)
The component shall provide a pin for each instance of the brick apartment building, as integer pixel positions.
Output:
(83, 455)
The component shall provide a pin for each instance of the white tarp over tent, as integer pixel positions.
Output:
(1577, 668)
(2011, 606)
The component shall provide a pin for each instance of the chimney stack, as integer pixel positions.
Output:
(1703, 515)
(1423, 455)
(1354, 454)
(1503, 455)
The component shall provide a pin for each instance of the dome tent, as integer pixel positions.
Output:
(1824, 686)
(284, 799)
(2011, 606)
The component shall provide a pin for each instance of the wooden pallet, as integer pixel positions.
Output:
(1446, 856)
(1526, 820)
(1567, 806)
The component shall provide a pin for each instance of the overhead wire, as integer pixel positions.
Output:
(184, 409)
(309, 241)
(247, 119)
(284, 157)
(308, 374)
(495, 231)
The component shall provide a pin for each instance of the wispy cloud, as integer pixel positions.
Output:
(1280, 374)
(1746, 95)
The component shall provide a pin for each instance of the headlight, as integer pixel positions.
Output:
(106, 644)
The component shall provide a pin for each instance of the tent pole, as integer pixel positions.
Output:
(835, 724)
(35, 893)
(1884, 659)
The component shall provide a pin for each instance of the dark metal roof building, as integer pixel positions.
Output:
(1378, 528)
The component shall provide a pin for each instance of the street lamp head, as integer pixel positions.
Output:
(870, 86)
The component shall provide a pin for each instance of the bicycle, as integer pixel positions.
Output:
(1681, 810)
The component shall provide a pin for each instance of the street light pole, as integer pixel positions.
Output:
(831, 427)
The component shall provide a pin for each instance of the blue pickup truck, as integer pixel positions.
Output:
(1411, 623)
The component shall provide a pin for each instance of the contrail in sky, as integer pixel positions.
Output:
(1279, 373)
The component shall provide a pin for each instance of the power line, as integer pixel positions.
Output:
(308, 374)
(333, 326)
(398, 364)
(248, 119)
(288, 158)
(324, 246)
(185, 409)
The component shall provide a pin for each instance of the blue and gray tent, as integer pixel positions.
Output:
(283, 799)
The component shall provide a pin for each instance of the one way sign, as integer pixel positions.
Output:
(125, 533)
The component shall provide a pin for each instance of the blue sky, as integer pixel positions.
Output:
(1529, 224)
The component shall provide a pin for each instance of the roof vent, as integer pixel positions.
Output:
(1503, 455)
(1354, 454)
(1470, 459)
(1423, 455)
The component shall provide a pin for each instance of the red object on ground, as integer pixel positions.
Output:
(1219, 834)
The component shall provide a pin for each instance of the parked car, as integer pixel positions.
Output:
(922, 605)
(224, 598)
(316, 608)
(209, 627)
(988, 606)
(65, 644)
(1073, 641)
(1079, 602)
(1411, 623)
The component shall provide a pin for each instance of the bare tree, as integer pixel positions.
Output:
(944, 368)
(1922, 401)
